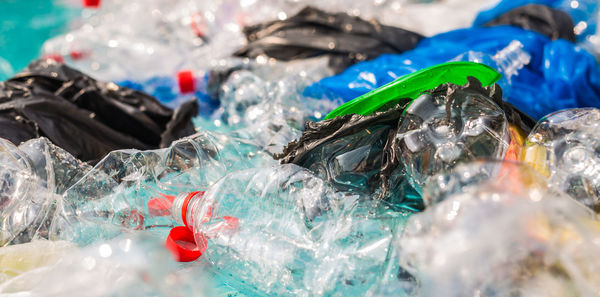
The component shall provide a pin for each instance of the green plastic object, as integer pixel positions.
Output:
(412, 85)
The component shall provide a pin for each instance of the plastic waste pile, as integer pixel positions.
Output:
(305, 148)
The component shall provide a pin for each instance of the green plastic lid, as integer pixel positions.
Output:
(412, 85)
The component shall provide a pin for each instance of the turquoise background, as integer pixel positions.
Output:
(24, 26)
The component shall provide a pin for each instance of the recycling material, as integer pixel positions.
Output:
(443, 148)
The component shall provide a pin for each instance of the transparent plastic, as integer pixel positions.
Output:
(510, 235)
(440, 130)
(114, 196)
(293, 233)
(33, 176)
(564, 146)
(126, 266)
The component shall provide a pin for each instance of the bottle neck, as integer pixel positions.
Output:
(183, 205)
(512, 58)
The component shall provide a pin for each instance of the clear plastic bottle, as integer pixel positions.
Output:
(452, 125)
(283, 231)
(507, 61)
(564, 146)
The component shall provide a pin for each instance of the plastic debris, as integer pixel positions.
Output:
(412, 85)
(291, 228)
(376, 153)
(583, 12)
(126, 266)
(313, 32)
(563, 147)
(449, 126)
(550, 22)
(33, 178)
(22, 258)
(132, 190)
(461, 247)
(546, 75)
(265, 104)
(95, 117)
(410, 189)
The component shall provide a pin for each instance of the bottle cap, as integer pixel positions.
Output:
(91, 3)
(183, 246)
(160, 206)
(185, 78)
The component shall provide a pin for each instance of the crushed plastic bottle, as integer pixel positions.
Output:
(33, 176)
(451, 125)
(509, 61)
(410, 140)
(563, 146)
(263, 102)
(292, 229)
(461, 246)
(115, 196)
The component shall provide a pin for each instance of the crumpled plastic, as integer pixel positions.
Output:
(114, 196)
(563, 147)
(375, 154)
(126, 266)
(22, 258)
(85, 117)
(49, 194)
(33, 176)
(550, 22)
(313, 32)
(554, 75)
(294, 230)
(265, 105)
(504, 235)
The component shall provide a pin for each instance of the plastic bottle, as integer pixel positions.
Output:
(508, 61)
(564, 147)
(282, 231)
(33, 177)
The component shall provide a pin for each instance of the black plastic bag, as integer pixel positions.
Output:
(545, 20)
(312, 32)
(85, 117)
(360, 153)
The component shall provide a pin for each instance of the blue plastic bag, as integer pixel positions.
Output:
(559, 74)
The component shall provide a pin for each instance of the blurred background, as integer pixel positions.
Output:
(25, 25)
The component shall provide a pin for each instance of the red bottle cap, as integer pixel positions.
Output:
(55, 57)
(91, 3)
(183, 246)
(161, 206)
(185, 78)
